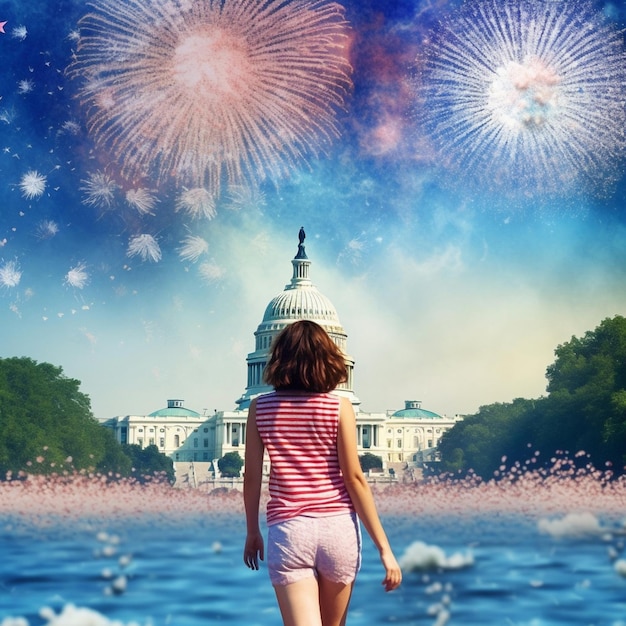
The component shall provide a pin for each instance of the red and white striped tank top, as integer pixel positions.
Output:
(299, 431)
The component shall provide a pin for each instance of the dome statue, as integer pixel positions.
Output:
(299, 300)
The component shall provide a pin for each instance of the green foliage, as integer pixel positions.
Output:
(114, 461)
(480, 441)
(584, 411)
(230, 465)
(46, 424)
(587, 385)
(370, 461)
(149, 463)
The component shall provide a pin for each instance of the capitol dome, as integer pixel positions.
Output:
(299, 300)
(413, 410)
(175, 408)
(303, 302)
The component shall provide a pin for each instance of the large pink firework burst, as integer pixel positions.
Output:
(213, 91)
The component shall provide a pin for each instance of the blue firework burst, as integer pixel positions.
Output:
(526, 95)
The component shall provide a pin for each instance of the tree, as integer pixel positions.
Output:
(149, 463)
(479, 442)
(585, 410)
(587, 386)
(46, 424)
(370, 461)
(230, 465)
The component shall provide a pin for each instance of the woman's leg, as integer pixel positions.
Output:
(334, 599)
(299, 603)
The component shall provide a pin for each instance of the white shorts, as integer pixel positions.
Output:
(307, 546)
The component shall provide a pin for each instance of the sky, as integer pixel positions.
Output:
(458, 169)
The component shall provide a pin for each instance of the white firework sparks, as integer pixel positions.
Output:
(99, 189)
(240, 197)
(70, 127)
(144, 246)
(46, 229)
(33, 184)
(10, 274)
(19, 32)
(234, 90)
(353, 250)
(193, 248)
(77, 276)
(143, 200)
(25, 86)
(527, 94)
(196, 202)
(8, 115)
(210, 272)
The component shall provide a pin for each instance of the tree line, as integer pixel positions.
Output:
(584, 411)
(47, 427)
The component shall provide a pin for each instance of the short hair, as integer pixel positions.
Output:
(303, 357)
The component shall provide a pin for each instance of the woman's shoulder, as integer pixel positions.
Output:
(325, 396)
(264, 397)
(298, 395)
(337, 397)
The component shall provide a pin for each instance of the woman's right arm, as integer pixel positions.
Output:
(361, 494)
(253, 549)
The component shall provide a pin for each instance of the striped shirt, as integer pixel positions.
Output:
(299, 431)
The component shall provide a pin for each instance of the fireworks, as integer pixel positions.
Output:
(213, 91)
(46, 229)
(99, 189)
(19, 32)
(193, 248)
(77, 277)
(33, 184)
(240, 197)
(144, 246)
(25, 86)
(528, 94)
(210, 272)
(70, 127)
(197, 202)
(142, 200)
(7, 115)
(10, 274)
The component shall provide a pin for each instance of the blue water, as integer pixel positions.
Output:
(191, 574)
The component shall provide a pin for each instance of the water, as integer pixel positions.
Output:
(160, 557)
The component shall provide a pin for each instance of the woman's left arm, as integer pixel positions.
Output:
(361, 494)
(253, 549)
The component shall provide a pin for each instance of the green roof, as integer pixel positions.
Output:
(178, 411)
(417, 414)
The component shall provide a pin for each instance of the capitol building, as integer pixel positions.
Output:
(405, 439)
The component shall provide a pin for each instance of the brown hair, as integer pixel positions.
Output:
(305, 358)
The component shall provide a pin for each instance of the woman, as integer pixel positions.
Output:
(317, 487)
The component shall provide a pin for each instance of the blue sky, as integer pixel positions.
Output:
(454, 277)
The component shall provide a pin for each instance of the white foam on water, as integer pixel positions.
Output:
(573, 525)
(420, 556)
(70, 616)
